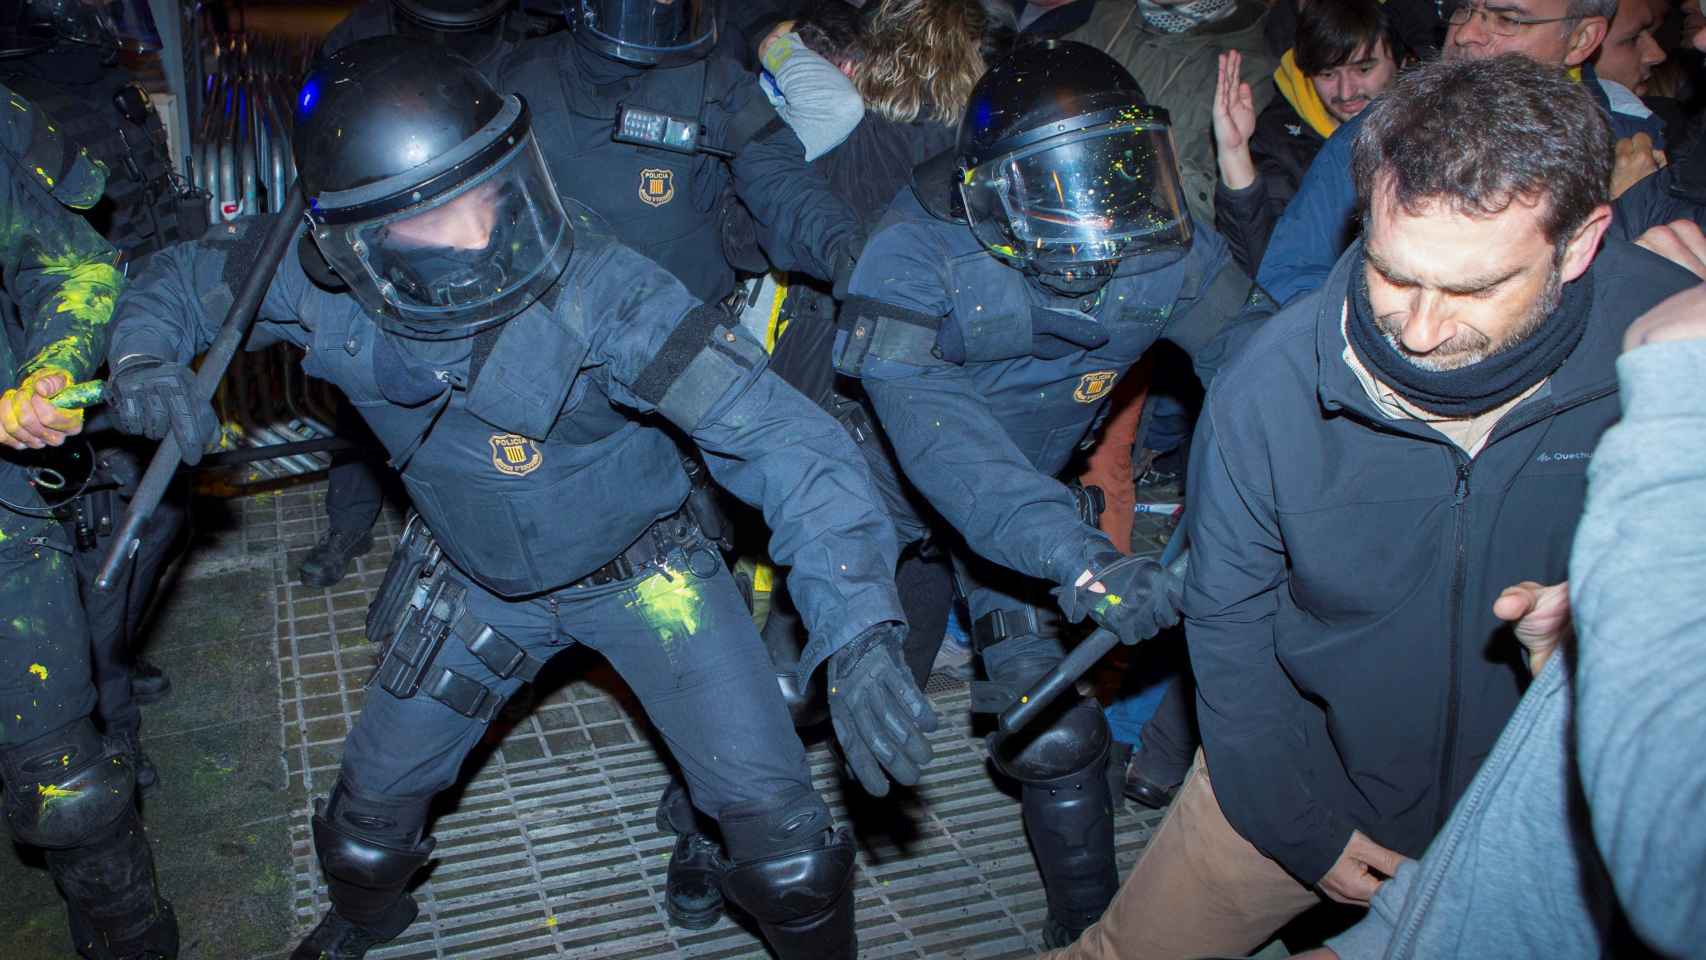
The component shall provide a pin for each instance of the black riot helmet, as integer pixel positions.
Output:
(471, 29)
(645, 32)
(1066, 172)
(427, 193)
(452, 16)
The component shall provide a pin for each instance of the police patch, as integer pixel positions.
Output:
(515, 456)
(657, 186)
(1094, 386)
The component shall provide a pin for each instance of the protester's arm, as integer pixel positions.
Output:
(1316, 226)
(1638, 575)
(801, 223)
(817, 99)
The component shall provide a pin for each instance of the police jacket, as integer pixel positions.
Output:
(1339, 606)
(58, 272)
(540, 449)
(1318, 223)
(985, 386)
(665, 204)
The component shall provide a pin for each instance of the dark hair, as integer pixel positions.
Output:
(1479, 134)
(1330, 32)
(831, 30)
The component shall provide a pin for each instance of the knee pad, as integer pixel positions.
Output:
(65, 786)
(371, 841)
(1074, 741)
(794, 820)
(793, 886)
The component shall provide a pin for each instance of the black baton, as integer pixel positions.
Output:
(167, 457)
(1084, 656)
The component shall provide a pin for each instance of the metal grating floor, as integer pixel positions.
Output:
(551, 851)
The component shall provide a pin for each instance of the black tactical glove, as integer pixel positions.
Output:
(879, 713)
(1141, 597)
(152, 397)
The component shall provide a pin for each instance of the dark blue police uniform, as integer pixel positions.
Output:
(986, 384)
(541, 454)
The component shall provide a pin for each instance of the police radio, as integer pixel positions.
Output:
(663, 131)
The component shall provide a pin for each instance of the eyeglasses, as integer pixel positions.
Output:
(1499, 22)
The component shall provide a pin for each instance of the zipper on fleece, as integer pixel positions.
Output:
(1459, 574)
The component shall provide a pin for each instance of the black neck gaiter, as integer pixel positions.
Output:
(1478, 387)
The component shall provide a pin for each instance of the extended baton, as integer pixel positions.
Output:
(158, 476)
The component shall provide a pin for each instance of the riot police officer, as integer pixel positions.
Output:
(68, 791)
(989, 318)
(527, 375)
(483, 32)
(645, 119)
(698, 135)
(65, 59)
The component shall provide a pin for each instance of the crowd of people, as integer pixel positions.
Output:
(624, 290)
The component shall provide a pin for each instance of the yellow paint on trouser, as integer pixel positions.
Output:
(39, 671)
(670, 603)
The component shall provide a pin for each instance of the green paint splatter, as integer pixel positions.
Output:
(79, 395)
(671, 605)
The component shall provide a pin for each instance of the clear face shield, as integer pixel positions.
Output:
(648, 31)
(470, 258)
(1081, 204)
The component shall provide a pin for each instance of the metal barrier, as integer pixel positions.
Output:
(241, 155)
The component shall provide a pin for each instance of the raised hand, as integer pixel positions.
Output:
(1234, 123)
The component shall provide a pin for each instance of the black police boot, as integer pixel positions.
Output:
(336, 938)
(115, 911)
(693, 893)
(148, 683)
(1071, 825)
(131, 742)
(1067, 805)
(366, 876)
(332, 557)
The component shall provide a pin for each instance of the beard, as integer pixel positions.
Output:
(1470, 347)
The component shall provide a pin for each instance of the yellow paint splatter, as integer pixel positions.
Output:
(670, 604)
(550, 923)
(40, 671)
(45, 176)
(53, 792)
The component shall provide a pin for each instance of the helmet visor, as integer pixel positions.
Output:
(648, 31)
(467, 259)
(1083, 201)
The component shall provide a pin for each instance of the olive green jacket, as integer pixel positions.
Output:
(1177, 73)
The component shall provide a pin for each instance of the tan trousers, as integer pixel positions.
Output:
(1198, 890)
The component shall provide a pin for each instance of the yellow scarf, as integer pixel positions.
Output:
(1300, 93)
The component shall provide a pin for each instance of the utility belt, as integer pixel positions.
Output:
(421, 606)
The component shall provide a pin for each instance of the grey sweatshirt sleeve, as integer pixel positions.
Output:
(1638, 580)
(812, 95)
